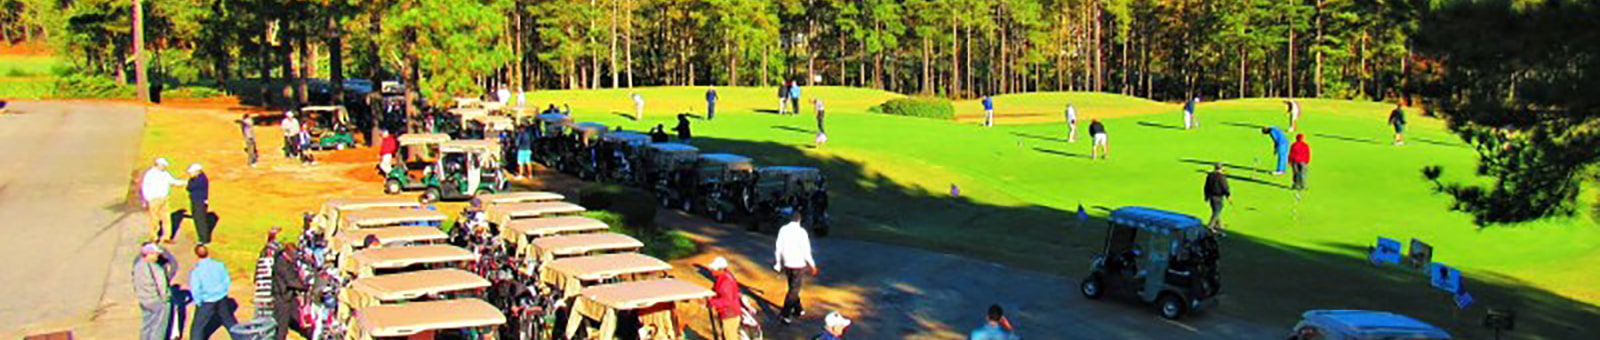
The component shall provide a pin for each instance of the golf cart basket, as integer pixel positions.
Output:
(1164, 257)
(621, 152)
(722, 179)
(330, 127)
(783, 190)
(669, 169)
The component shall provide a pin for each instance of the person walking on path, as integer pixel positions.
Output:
(794, 98)
(152, 284)
(247, 129)
(209, 281)
(783, 97)
(154, 187)
(1294, 114)
(200, 203)
(638, 106)
(1189, 121)
(793, 257)
(387, 148)
(1072, 123)
(684, 135)
(1216, 192)
(833, 327)
(988, 111)
(1397, 119)
(996, 326)
(1299, 157)
(711, 103)
(1102, 144)
(1280, 148)
(727, 303)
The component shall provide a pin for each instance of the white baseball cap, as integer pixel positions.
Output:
(161, 161)
(195, 167)
(719, 263)
(836, 320)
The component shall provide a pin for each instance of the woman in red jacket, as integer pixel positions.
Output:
(1299, 156)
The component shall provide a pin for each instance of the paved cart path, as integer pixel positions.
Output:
(67, 228)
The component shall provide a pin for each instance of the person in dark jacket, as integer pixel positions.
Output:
(1216, 192)
(286, 286)
(658, 134)
(711, 103)
(1102, 143)
(199, 202)
(683, 129)
(1397, 119)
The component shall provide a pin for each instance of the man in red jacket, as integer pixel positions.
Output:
(386, 149)
(726, 303)
(1299, 156)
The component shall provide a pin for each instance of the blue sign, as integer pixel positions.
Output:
(1444, 278)
(1083, 216)
(1463, 299)
(1387, 251)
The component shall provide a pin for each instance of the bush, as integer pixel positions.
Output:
(637, 207)
(192, 92)
(81, 85)
(666, 246)
(925, 107)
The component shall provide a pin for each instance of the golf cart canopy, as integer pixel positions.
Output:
(401, 257)
(504, 213)
(554, 118)
(357, 219)
(520, 197)
(567, 275)
(627, 137)
(322, 109)
(588, 127)
(673, 147)
(369, 202)
(604, 301)
(798, 172)
(493, 123)
(423, 138)
(417, 317)
(470, 145)
(410, 286)
(467, 113)
(732, 161)
(548, 248)
(547, 226)
(1360, 324)
(393, 235)
(1157, 221)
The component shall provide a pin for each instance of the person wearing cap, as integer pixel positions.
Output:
(209, 282)
(727, 302)
(291, 134)
(151, 284)
(793, 257)
(833, 327)
(247, 128)
(154, 187)
(387, 149)
(200, 203)
(996, 326)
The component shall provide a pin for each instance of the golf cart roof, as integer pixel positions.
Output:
(328, 108)
(550, 247)
(1155, 220)
(732, 161)
(503, 213)
(589, 268)
(627, 137)
(520, 197)
(377, 217)
(370, 202)
(1374, 324)
(423, 138)
(547, 226)
(790, 170)
(590, 126)
(554, 118)
(466, 145)
(468, 102)
(497, 123)
(400, 257)
(394, 235)
(411, 285)
(641, 294)
(416, 317)
(673, 147)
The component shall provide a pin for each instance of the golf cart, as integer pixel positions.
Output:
(485, 240)
(501, 214)
(520, 197)
(1362, 325)
(414, 162)
(561, 281)
(444, 319)
(465, 168)
(780, 191)
(618, 156)
(585, 159)
(1162, 257)
(520, 234)
(551, 141)
(669, 169)
(383, 261)
(418, 286)
(621, 310)
(330, 127)
(721, 180)
(332, 210)
(546, 249)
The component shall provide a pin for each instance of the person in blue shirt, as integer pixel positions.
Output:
(833, 327)
(794, 98)
(996, 327)
(1280, 148)
(988, 111)
(711, 103)
(1189, 122)
(209, 283)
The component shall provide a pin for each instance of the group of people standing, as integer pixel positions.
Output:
(155, 186)
(164, 303)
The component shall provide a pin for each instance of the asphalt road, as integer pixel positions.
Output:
(66, 226)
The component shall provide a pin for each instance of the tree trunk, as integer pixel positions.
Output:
(1288, 77)
(627, 42)
(927, 72)
(615, 75)
(141, 82)
(336, 59)
(303, 72)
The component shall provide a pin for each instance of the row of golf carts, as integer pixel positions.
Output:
(523, 266)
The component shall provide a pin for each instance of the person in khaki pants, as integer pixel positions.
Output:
(154, 187)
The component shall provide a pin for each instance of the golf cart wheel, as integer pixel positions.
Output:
(1092, 288)
(391, 187)
(431, 195)
(1170, 306)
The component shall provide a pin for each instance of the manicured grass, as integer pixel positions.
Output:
(1020, 184)
(26, 76)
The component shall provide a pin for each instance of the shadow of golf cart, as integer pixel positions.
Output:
(1160, 257)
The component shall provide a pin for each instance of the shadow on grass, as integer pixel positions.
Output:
(794, 129)
(1209, 163)
(1441, 143)
(1039, 137)
(1061, 153)
(1160, 125)
(1348, 139)
(1257, 127)
(1245, 179)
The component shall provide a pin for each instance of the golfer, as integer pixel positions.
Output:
(1280, 148)
(638, 106)
(156, 184)
(727, 302)
(1216, 191)
(525, 153)
(200, 203)
(833, 327)
(794, 98)
(996, 326)
(1299, 157)
(783, 97)
(684, 133)
(1189, 122)
(1397, 118)
(822, 133)
(291, 134)
(247, 129)
(1294, 114)
(386, 151)
(711, 103)
(152, 282)
(793, 257)
(1072, 123)
(209, 281)
(1102, 144)
(988, 111)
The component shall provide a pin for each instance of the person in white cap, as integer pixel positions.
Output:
(793, 257)
(151, 284)
(200, 203)
(154, 187)
(833, 327)
(291, 135)
(726, 303)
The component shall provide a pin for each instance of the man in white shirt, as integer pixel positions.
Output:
(291, 134)
(793, 257)
(638, 106)
(1072, 123)
(156, 184)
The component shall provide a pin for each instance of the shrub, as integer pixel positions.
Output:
(192, 92)
(925, 107)
(81, 85)
(637, 207)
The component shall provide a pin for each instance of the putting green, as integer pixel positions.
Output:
(1361, 186)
